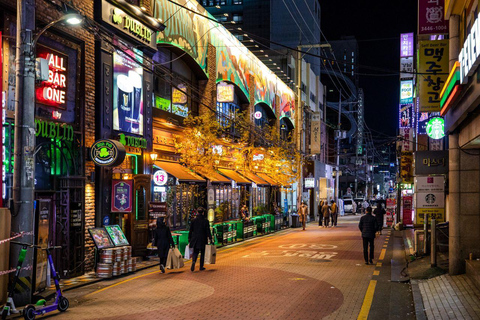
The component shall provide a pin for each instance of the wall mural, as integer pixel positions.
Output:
(235, 63)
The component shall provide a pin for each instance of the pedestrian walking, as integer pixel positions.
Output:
(163, 241)
(368, 227)
(379, 213)
(365, 205)
(334, 212)
(198, 237)
(302, 214)
(326, 214)
(320, 215)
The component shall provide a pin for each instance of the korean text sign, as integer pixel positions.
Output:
(433, 72)
(406, 45)
(431, 17)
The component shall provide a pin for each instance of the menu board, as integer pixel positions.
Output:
(117, 235)
(101, 238)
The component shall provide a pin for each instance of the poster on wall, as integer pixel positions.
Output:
(117, 235)
(122, 195)
(433, 70)
(431, 17)
(127, 92)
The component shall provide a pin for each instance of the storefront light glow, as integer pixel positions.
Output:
(160, 177)
(436, 128)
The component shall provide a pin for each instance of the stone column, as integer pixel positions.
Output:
(454, 40)
(456, 265)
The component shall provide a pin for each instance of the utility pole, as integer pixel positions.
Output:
(366, 173)
(337, 177)
(24, 162)
(299, 125)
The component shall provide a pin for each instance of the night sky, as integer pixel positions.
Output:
(377, 26)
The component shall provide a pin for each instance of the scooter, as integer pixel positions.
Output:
(40, 308)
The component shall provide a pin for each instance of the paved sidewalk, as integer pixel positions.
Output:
(450, 297)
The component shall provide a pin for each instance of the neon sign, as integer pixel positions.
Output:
(53, 92)
(436, 128)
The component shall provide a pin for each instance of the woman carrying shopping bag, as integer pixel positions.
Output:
(198, 236)
(163, 241)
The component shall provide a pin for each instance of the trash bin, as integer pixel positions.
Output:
(295, 221)
(181, 240)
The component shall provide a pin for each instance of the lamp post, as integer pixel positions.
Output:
(24, 157)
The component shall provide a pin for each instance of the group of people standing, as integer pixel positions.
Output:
(327, 213)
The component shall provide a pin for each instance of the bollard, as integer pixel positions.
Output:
(425, 234)
(433, 247)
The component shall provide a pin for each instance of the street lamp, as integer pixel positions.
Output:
(72, 19)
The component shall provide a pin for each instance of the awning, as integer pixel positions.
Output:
(234, 176)
(268, 179)
(179, 171)
(254, 178)
(216, 177)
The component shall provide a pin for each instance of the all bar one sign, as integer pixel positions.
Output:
(53, 92)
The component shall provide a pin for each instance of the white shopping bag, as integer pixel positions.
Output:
(210, 254)
(188, 252)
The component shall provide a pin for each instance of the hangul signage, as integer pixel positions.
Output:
(431, 162)
(406, 68)
(431, 15)
(406, 116)
(406, 166)
(430, 184)
(406, 139)
(406, 44)
(433, 69)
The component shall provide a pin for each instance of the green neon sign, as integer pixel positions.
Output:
(436, 128)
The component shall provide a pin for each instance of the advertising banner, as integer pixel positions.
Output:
(431, 17)
(438, 214)
(127, 93)
(431, 162)
(315, 134)
(433, 72)
(407, 205)
(430, 200)
(117, 235)
(406, 116)
(406, 44)
(406, 91)
(122, 195)
(406, 139)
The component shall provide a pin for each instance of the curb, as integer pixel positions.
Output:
(418, 301)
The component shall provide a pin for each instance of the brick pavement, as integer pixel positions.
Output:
(313, 274)
(450, 297)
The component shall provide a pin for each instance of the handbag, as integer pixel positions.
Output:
(210, 254)
(174, 259)
(188, 252)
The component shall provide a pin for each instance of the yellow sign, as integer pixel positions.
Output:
(406, 167)
(433, 213)
(433, 72)
(225, 92)
(178, 96)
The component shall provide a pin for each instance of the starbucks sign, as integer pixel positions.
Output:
(107, 153)
(436, 128)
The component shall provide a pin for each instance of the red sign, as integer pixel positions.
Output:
(431, 15)
(407, 204)
(391, 203)
(53, 92)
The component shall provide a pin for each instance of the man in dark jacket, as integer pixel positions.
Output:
(326, 214)
(379, 213)
(198, 237)
(320, 215)
(368, 227)
(163, 241)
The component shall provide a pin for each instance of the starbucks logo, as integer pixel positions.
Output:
(430, 198)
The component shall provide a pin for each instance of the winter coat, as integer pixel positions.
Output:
(368, 226)
(303, 212)
(199, 233)
(163, 240)
(325, 210)
(333, 208)
(379, 213)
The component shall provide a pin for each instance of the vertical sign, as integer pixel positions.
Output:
(431, 17)
(3, 99)
(406, 91)
(433, 72)
(122, 195)
(406, 166)
(406, 117)
(406, 68)
(406, 45)
(315, 134)
(407, 203)
(406, 141)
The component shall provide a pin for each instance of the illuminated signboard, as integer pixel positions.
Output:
(406, 91)
(178, 95)
(469, 56)
(107, 153)
(436, 128)
(406, 116)
(406, 45)
(258, 157)
(53, 92)
(309, 183)
(160, 177)
(257, 115)
(225, 92)
(127, 92)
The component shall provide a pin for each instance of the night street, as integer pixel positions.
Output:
(294, 274)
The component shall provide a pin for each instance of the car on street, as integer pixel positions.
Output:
(348, 205)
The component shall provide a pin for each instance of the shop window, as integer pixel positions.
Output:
(221, 18)
(226, 114)
(261, 117)
(237, 1)
(237, 17)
